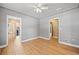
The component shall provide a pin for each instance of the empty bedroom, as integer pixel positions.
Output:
(39, 28)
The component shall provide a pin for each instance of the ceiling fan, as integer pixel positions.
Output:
(38, 8)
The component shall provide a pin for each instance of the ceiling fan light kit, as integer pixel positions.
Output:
(39, 8)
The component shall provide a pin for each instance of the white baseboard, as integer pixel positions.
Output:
(29, 39)
(44, 38)
(55, 37)
(34, 39)
(3, 46)
(69, 44)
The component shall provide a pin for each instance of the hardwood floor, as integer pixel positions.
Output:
(38, 47)
(0, 50)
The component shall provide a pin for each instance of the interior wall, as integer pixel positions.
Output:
(2, 29)
(68, 26)
(29, 25)
(45, 27)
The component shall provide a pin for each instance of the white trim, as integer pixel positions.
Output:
(49, 30)
(55, 37)
(17, 18)
(3, 46)
(7, 31)
(73, 45)
(29, 39)
(34, 39)
(14, 17)
(44, 38)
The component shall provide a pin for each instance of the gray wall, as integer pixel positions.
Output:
(29, 25)
(45, 27)
(29, 28)
(68, 26)
(2, 28)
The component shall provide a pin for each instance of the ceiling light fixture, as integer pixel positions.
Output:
(39, 7)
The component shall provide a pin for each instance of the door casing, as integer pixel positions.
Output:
(17, 18)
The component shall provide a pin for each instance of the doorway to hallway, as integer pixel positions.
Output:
(54, 28)
(13, 28)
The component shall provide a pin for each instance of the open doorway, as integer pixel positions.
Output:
(54, 28)
(13, 29)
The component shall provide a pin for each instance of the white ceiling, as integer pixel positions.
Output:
(26, 8)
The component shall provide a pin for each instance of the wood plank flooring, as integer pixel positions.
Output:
(0, 50)
(38, 47)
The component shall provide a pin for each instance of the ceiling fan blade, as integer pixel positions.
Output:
(44, 7)
(37, 10)
(40, 10)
